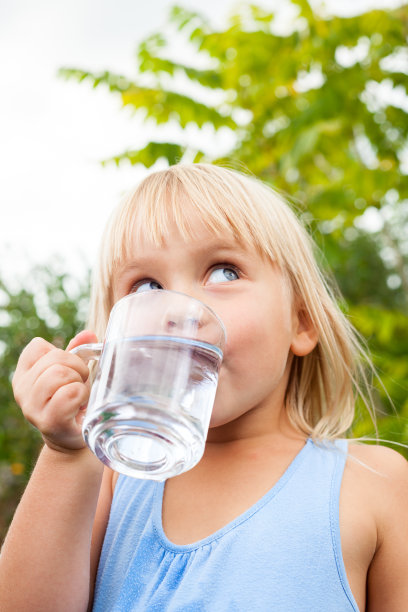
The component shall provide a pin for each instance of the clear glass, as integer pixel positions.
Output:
(155, 384)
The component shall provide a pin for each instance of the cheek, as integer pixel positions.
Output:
(258, 338)
(239, 334)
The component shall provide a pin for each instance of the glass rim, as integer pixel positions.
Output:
(167, 291)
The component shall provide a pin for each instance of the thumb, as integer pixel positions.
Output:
(84, 337)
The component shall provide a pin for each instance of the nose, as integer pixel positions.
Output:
(175, 322)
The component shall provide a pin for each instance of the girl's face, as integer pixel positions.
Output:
(251, 297)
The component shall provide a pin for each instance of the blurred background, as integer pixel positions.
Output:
(309, 97)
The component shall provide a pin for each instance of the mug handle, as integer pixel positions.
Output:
(88, 352)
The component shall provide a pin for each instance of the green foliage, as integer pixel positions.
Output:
(158, 104)
(319, 111)
(305, 107)
(52, 307)
(149, 155)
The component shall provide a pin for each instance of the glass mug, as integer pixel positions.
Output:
(151, 400)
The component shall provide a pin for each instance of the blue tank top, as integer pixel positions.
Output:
(282, 554)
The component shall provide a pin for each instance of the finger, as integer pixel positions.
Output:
(50, 380)
(24, 382)
(59, 414)
(33, 352)
(62, 358)
(84, 337)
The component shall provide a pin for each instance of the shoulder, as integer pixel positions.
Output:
(378, 476)
(374, 489)
(380, 467)
(376, 492)
(379, 458)
(375, 485)
(381, 470)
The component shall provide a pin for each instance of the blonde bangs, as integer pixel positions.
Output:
(221, 201)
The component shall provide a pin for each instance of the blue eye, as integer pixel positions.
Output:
(220, 275)
(147, 285)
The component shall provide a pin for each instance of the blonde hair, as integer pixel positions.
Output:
(324, 384)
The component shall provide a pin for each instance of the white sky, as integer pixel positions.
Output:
(54, 195)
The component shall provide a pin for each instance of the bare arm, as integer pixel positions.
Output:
(387, 585)
(45, 563)
(45, 560)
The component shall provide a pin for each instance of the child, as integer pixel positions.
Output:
(281, 513)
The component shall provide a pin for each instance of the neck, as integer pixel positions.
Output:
(259, 424)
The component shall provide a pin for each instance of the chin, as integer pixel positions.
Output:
(218, 420)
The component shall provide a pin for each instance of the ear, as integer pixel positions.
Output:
(305, 335)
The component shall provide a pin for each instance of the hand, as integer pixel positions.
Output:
(52, 389)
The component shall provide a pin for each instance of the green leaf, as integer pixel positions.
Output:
(150, 154)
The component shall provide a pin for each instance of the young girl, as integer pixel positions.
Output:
(281, 513)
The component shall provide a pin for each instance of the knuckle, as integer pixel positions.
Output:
(68, 395)
(48, 425)
(74, 392)
(33, 345)
(79, 365)
(51, 419)
(37, 341)
(58, 354)
(34, 350)
(59, 370)
(36, 345)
